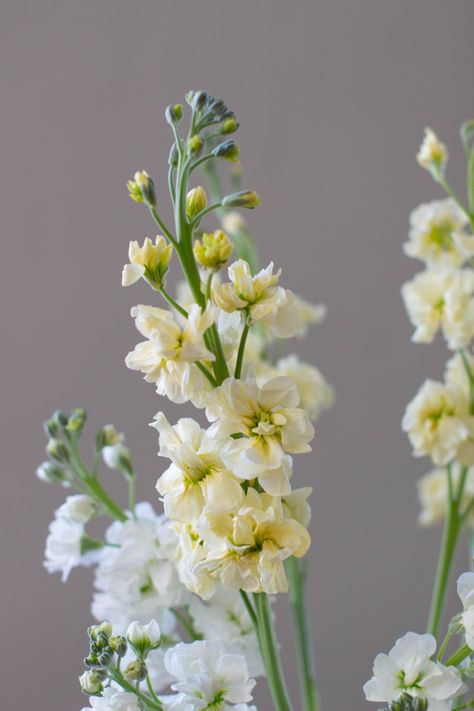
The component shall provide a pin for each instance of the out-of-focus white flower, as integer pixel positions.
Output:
(272, 426)
(64, 547)
(465, 587)
(136, 577)
(296, 505)
(149, 261)
(197, 477)
(113, 699)
(207, 676)
(244, 550)
(233, 222)
(315, 392)
(259, 297)
(441, 299)
(433, 493)
(306, 314)
(437, 424)
(78, 508)
(408, 668)
(433, 154)
(225, 619)
(436, 234)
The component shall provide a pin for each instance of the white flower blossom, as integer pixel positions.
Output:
(144, 637)
(113, 699)
(433, 154)
(79, 508)
(207, 676)
(315, 392)
(272, 426)
(408, 668)
(465, 588)
(64, 547)
(197, 477)
(433, 493)
(436, 234)
(441, 299)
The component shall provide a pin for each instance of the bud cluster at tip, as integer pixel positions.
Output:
(213, 250)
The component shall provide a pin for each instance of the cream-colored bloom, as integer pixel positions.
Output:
(214, 251)
(259, 297)
(197, 478)
(243, 550)
(271, 427)
(436, 234)
(315, 392)
(166, 357)
(433, 154)
(150, 261)
(233, 222)
(441, 300)
(437, 424)
(433, 493)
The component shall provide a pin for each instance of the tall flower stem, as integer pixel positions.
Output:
(269, 651)
(297, 581)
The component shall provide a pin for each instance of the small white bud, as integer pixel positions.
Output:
(144, 637)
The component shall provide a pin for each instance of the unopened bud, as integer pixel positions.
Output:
(91, 682)
(76, 421)
(52, 473)
(58, 450)
(100, 633)
(214, 250)
(230, 125)
(143, 638)
(195, 144)
(174, 113)
(106, 437)
(218, 107)
(119, 645)
(228, 150)
(142, 188)
(244, 198)
(198, 100)
(173, 156)
(135, 671)
(433, 154)
(196, 201)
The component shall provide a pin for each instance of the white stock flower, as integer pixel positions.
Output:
(150, 261)
(408, 668)
(437, 424)
(244, 550)
(436, 235)
(433, 154)
(441, 299)
(113, 699)
(144, 637)
(259, 297)
(315, 392)
(79, 508)
(433, 493)
(197, 477)
(136, 577)
(465, 588)
(166, 358)
(207, 676)
(272, 427)
(63, 550)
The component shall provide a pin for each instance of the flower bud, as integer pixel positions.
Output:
(119, 645)
(196, 200)
(135, 671)
(228, 150)
(106, 437)
(150, 261)
(433, 154)
(142, 188)
(218, 107)
(143, 638)
(102, 631)
(214, 250)
(244, 198)
(105, 657)
(230, 125)
(58, 450)
(174, 113)
(195, 144)
(198, 100)
(173, 156)
(52, 474)
(91, 682)
(76, 421)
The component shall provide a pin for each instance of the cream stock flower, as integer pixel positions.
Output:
(149, 261)
(271, 427)
(436, 234)
(437, 423)
(433, 493)
(259, 296)
(433, 154)
(113, 699)
(315, 392)
(197, 477)
(441, 300)
(244, 550)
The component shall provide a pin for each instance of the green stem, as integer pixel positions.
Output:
(297, 579)
(162, 225)
(121, 681)
(186, 624)
(201, 214)
(206, 373)
(270, 656)
(132, 493)
(241, 351)
(444, 644)
(167, 297)
(151, 690)
(459, 656)
(249, 607)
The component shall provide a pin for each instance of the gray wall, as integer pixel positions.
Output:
(332, 96)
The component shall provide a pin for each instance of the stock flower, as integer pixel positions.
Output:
(113, 699)
(408, 668)
(436, 424)
(136, 577)
(144, 637)
(150, 261)
(433, 493)
(63, 550)
(244, 550)
(315, 392)
(259, 297)
(433, 154)
(465, 588)
(443, 300)
(207, 677)
(434, 227)
(77, 509)
(197, 477)
(271, 425)
(214, 250)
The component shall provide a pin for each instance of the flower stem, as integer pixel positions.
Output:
(459, 656)
(241, 351)
(297, 579)
(270, 655)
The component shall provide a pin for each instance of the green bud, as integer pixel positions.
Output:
(195, 144)
(214, 250)
(142, 188)
(52, 473)
(58, 450)
(244, 198)
(230, 125)
(76, 421)
(91, 682)
(135, 671)
(228, 150)
(91, 660)
(173, 156)
(218, 107)
(105, 657)
(198, 100)
(196, 200)
(119, 645)
(100, 632)
(174, 113)
(107, 437)
(51, 427)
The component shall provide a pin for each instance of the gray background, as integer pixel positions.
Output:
(332, 96)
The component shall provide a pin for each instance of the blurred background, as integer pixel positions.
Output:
(332, 97)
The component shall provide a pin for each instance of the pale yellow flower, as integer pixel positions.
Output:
(436, 234)
(149, 261)
(433, 493)
(433, 154)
